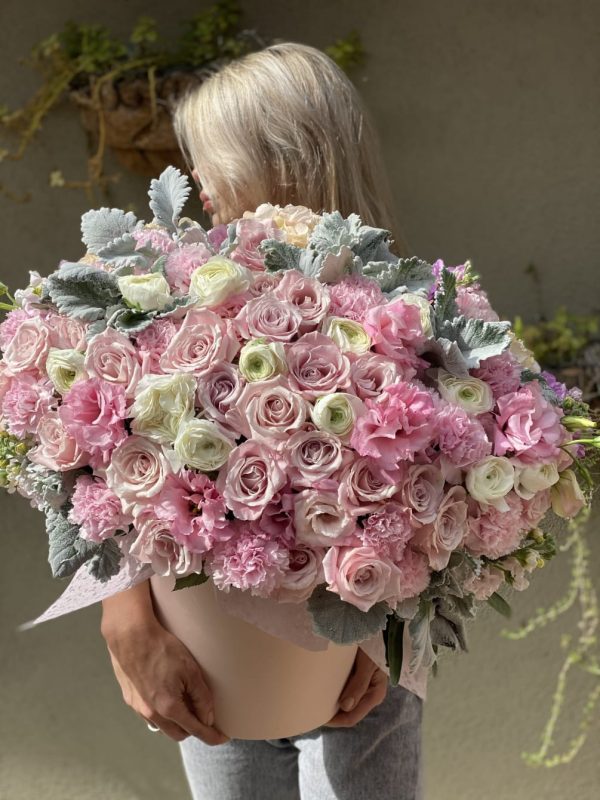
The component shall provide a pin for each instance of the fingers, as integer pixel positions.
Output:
(176, 709)
(358, 682)
(375, 695)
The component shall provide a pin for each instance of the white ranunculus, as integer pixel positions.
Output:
(531, 480)
(472, 394)
(490, 480)
(147, 292)
(336, 413)
(350, 336)
(260, 360)
(202, 444)
(162, 404)
(64, 367)
(217, 279)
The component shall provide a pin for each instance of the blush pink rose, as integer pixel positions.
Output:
(304, 573)
(219, 390)
(26, 399)
(56, 448)
(363, 487)
(250, 562)
(360, 575)
(398, 424)
(269, 412)
(111, 357)
(319, 518)
(202, 339)
(317, 366)
(371, 373)
(28, 349)
(308, 295)
(254, 473)
(268, 316)
(421, 491)
(354, 296)
(265, 282)
(65, 333)
(440, 538)
(96, 509)
(528, 426)
(10, 325)
(249, 234)
(155, 545)
(312, 456)
(137, 471)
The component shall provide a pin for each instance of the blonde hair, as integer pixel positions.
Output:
(285, 125)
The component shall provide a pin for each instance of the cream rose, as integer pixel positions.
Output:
(566, 495)
(490, 480)
(147, 292)
(64, 367)
(472, 394)
(217, 279)
(162, 404)
(202, 444)
(350, 336)
(260, 360)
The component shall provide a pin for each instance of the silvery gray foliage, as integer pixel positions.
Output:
(280, 255)
(191, 232)
(341, 622)
(444, 302)
(402, 275)
(333, 231)
(373, 245)
(446, 354)
(102, 226)
(67, 551)
(105, 561)
(122, 256)
(475, 338)
(527, 375)
(230, 241)
(83, 291)
(419, 628)
(168, 194)
(49, 488)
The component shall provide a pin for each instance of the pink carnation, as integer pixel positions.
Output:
(181, 262)
(473, 302)
(493, 533)
(153, 239)
(25, 402)
(414, 574)
(398, 424)
(528, 426)
(388, 530)
(154, 340)
(353, 296)
(249, 561)
(462, 438)
(96, 509)
(395, 329)
(501, 372)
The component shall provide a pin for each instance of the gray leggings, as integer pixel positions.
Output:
(379, 757)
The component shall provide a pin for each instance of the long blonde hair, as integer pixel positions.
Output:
(286, 125)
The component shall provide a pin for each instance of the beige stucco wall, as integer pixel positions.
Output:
(490, 122)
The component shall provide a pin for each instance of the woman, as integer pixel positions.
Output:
(283, 125)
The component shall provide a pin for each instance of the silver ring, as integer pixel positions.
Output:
(152, 727)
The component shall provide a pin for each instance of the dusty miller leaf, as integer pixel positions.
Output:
(341, 622)
(168, 194)
(445, 298)
(279, 255)
(476, 338)
(83, 291)
(332, 231)
(121, 254)
(105, 561)
(102, 226)
(373, 245)
(407, 274)
(67, 551)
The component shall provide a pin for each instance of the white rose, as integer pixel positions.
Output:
(472, 394)
(424, 308)
(64, 367)
(347, 334)
(260, 360)
(336, 413)
(162, 404)
(217, 279)
(201, 444)
(531, 480)
(490, 480)
(148, 292)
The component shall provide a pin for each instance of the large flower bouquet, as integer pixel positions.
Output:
(283, 406)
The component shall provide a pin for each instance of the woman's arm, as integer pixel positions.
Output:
(159, 677)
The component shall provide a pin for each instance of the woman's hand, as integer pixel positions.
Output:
(159, 677)
(365, 688)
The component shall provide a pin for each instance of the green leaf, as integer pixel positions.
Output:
(193, 579)
(279, 255)
(168, 194)
(341, 622)
(102, 226)
(67, 551)
(404, 275)
(105, 561)
(445, 298)
(83, 291)
(392, 636)
(499, 604)
(476, 338)
(128, 320)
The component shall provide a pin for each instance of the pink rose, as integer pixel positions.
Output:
(398, 424)
(319, 519)
(96, 509)
(264, 282)
(93, 412)
(137, 471)
(181, 262)
(354, 296)
(219, 390)
(312, 456)
(371, 373)
(317, 366)
(268, 316)
(156, 545)
(422, 490)
(11, 324)
(308, 295)
(268, 411)
(248, 561)
(111, 357)
(388, 530)
(28, 349)
(395, 327)
(462, 437)
(202, 339)
(26, 400)
(528, 426)
(441, 537)
(65, 333)
(56, 449)
(254, 473)
(304, 573)
(249, 234)
(363, 487)
(360, 576)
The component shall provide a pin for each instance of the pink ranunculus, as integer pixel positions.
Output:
(202, 339)
(249, 561)
(462, 437)
(96, 509)
(304, 573)
(93, 411)
(473, 303)
(489, 580)
(28, 349)
(137, 471)
(421, 490)
(111, 357)
(181, 262)
(388, 530)
(354, 296)
(317, 366)
(371, 373)
(249, 234)
(360, 575)
(65, 333)
(56, 448)
(528, 426)
(414, 574)
(219, 390)
(398, 424)
(153, 340)
(268, 412)
(395, 328)
(254, 473)
(502, 373)
(154, 239)
(363, 487)
(268, 316)
(319, 518)
(195, 509)
(442, 536)
(155, 545)
(26, 399)
(308, 295)
(493, 533)
(312, 456)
